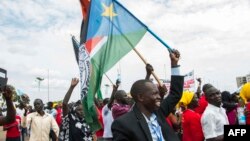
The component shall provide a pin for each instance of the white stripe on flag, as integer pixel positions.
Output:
(98, 46)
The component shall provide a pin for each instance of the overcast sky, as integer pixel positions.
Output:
(213, 37)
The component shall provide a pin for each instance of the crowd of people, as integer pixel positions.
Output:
(150, 112)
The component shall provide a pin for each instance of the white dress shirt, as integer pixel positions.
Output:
(40, 126)
(213, 121)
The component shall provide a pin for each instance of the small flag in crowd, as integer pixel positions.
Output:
(19, 92)
(189, 82)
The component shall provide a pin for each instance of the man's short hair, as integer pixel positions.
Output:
(210, 90)
(139, 87)
(38, 99)
(50, 103)
(206, 86)
(119, 94)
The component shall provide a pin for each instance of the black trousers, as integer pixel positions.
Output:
(13, 139)
(104, 139)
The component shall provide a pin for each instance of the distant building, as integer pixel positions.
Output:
(242, 80)
(248, 78)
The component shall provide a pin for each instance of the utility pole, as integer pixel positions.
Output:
(48, 85)
(39, 82)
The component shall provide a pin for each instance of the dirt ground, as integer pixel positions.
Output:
(2, 134)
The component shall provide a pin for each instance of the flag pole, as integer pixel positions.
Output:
(160, 40)
(155, 76)
(149, 30)
(109, 79)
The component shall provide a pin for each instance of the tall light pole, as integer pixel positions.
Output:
(48, 85)
(39, 82)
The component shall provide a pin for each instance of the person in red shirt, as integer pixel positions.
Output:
(202, 101)
(58, 114)
(99, 106)
(7, 93)
(13, 130)
(202, 105)
(191, 121)
(120, 105)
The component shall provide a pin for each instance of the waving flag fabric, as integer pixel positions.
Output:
(85, 8)
(83, 61)
(111, 33)
(76, 46)
(84, 67)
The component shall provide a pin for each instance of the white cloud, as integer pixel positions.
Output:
(212, 36)
(209, 34)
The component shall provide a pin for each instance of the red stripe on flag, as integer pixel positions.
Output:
(91, 44)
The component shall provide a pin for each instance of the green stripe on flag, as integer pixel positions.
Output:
(112, 51)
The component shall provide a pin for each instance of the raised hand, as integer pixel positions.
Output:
(66, 98)
(174, 57)
(149, 68)
(7, 93)
(74, 82)
(162, 90)
(199, 80)
(118, 82)
(115, 87)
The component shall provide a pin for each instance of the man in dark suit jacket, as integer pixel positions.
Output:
(147, 119)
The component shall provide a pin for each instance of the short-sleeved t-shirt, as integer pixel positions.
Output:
(213, 121)
(13, 128)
